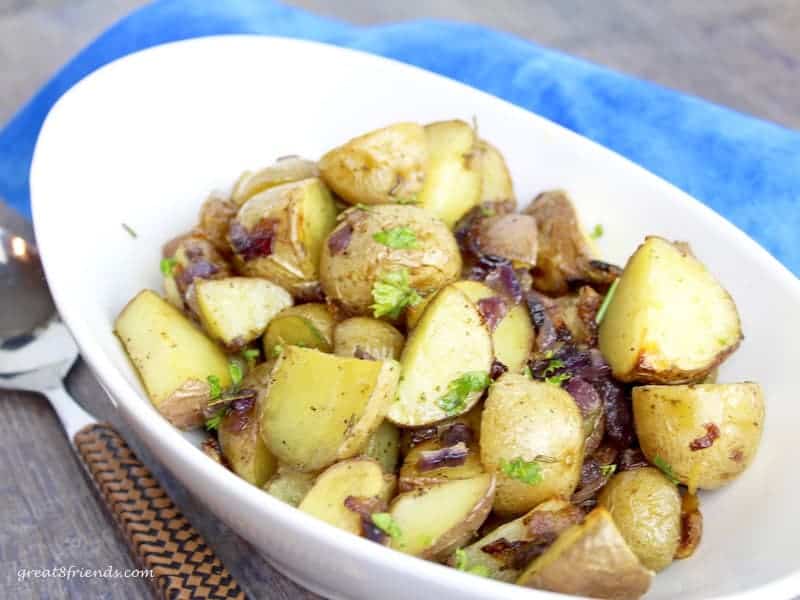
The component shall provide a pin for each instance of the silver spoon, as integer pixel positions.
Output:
(36, 353)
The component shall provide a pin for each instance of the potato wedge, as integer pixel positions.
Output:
(172, 357)
(708, 434)
(538, 427)
(434, 521)
(646, 508)
(279, 233)
(415, 475)
(590, 559)
(190, 258)
(359, 477)
(237, 310)
(669, 321)
(368, 338)
(450, 342)
(307, 325)
(384, 446)
(380, 167)
(290, 485)
(452, 186)
(285, 170)
(308, 426)
(496, 184)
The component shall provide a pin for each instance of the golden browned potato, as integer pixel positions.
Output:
(513, 236)
(215, 218)
(707, 434)
(356, 477)
(380, 167)
(445, 362)
(378, 261)
(532, 435)
(579, 314)
(669, 320)
(320, 408)
(290, 485)
(496, 184)
(384, 446)
(364, 337)
(172, 357)
(590, 559)
(646, 508)
(278, 234)
(307, 325)
(434, 521)
(187, 259)
(237, 310)
(452, 184)
(285, 170)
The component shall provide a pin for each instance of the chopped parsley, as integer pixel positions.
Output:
(455, 400)
(215, 388)
(408, 200)
(462, 564)
(387, 524)
(399, 238)
(527, 371)
(168, 266)
(487, 211)
(277, 350)
(607, 470)
(251, 355)
(214, 420)
(558, 379)
(363, 207)
(597, 232)
(236, 373)
(606, 301)
(392, 293)
(130, 230)
(666, 468)
(526, 471)
(554, 365)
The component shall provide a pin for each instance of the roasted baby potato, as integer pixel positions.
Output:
(356, 477)
(384, 446)
(646, 508)
(496, 184)
(190, 258)
(452, 185)
(532, 435)
(279, 233)
(590, 559)
(707, 434)
(308, 427)
(434, 521)
(290, 485)
(669, 320)
(237, 310)
(307, 325)
(172, 356)
(369, 247)
(445, 362)
(215, 218)
(364, 337)
(500, 552)
(380, 167)
(285, 170)
(513, 236)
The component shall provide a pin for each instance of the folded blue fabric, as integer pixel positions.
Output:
(746, 169)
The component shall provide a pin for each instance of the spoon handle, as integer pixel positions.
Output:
(159, 536)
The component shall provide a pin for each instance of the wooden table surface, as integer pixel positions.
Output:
(743, 53)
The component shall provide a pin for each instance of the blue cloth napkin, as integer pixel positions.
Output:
(746, 169)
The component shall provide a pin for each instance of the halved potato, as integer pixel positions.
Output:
(496, 184)
(590, 559)
(384, 446)
(536, 424)
(380, 167)
(320, 408)
(278, 234)
(414, 475)
(290, 485)
(358, 477)
(707, 434)
(284, 170)
(172, 357)
(364, 337)
(236, 310)
(669, 321)
(307, 325)
(646, 508)
(452, 186)
(450, 342)
(436, 520)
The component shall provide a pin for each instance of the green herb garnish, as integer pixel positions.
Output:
(408, 200)
(607, 470)
(487, 211)
(462, 564)
(526, 471)
(214, 420)
(606, 301)
(553, 366)
(363, 207)
(666, 468)
(168, 266)
(455, 400)
(387, 524)
(251, 355)
(236, 373)
(276, 351)
(392, 293)
(130, 230)
(597, 232)
(558, 379)
(527, 371)
(214, 387)
(400, 238)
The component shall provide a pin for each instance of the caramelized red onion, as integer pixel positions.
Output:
(364, 508)
(457, 432)
(497, 369)
(449, 456)
(339, 240)
(254, 243)
(706, 441)
(492, 309)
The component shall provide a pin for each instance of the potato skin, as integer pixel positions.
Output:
(364, 337)
(310, 325)
(646, 508)
(669, 419)
(378, 167)
(527, 419)
(347, 276)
